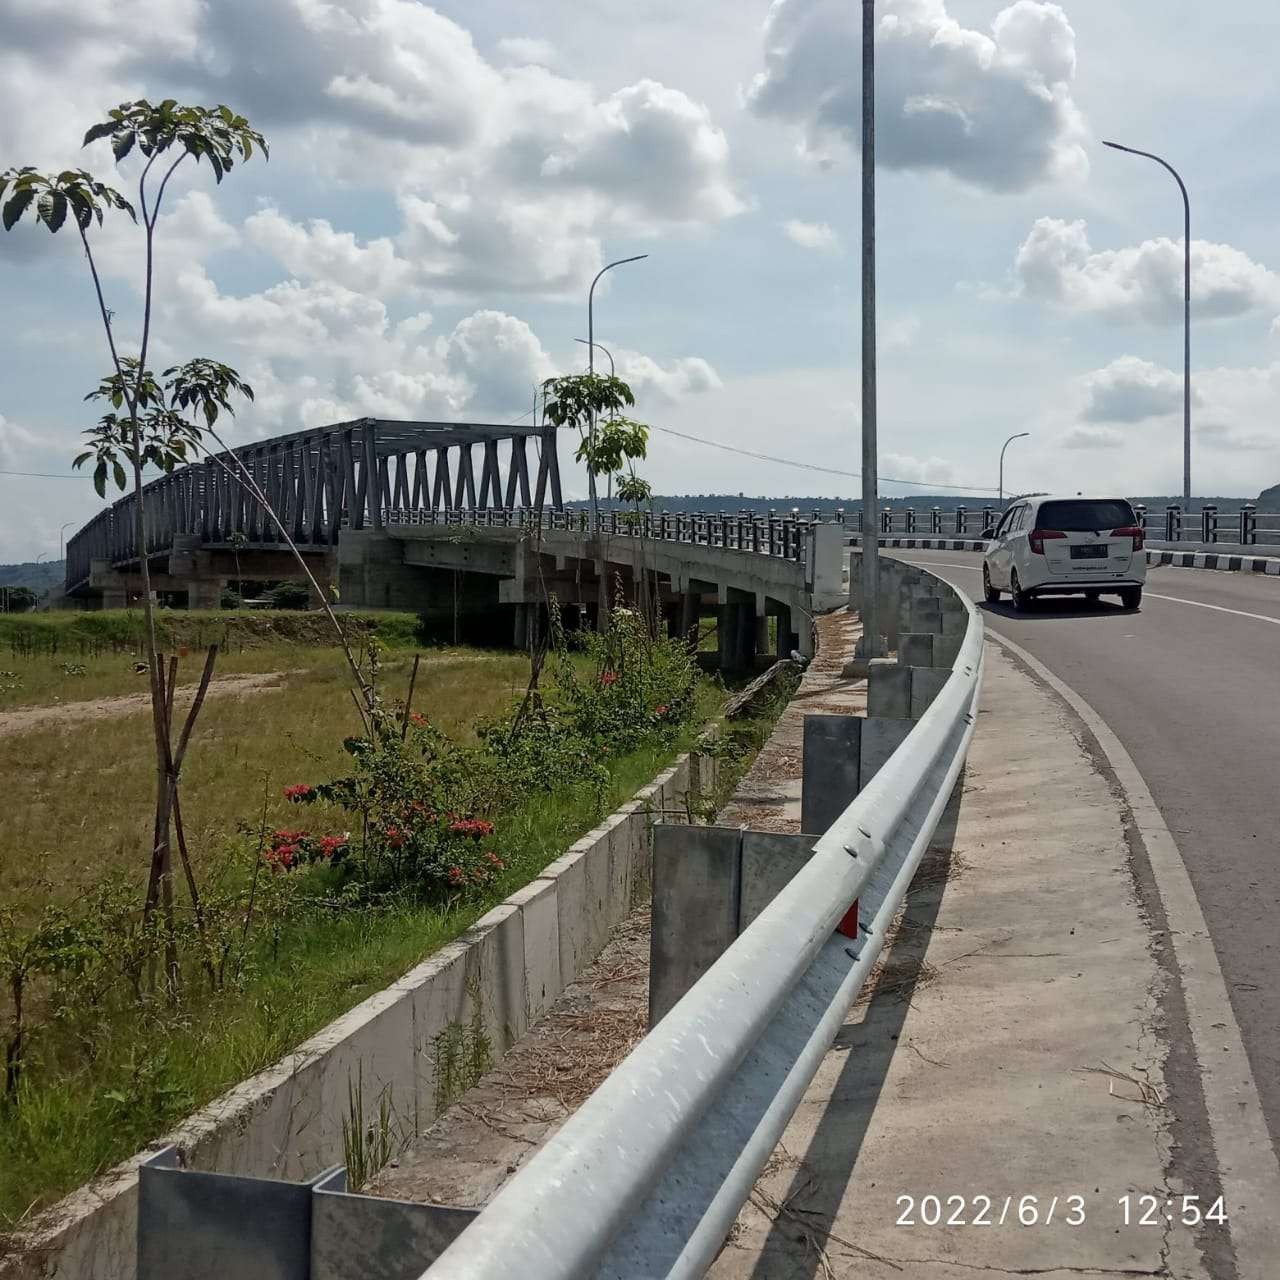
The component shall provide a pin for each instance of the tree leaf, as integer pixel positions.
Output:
(118, 474)
(122, 144)
(100, 478)
(82, 459)
(17, 206)
(82, 206)
(52, 209)
(101, 130)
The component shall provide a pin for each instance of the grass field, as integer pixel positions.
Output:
(70, 657)
(77, 800)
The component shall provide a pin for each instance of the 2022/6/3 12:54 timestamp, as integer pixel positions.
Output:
(1156, 1211)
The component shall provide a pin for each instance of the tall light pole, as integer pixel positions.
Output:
(591, 354)
(1022, 435)
(1186, 315)
(61, 531)
(870, 645)
(599, 346)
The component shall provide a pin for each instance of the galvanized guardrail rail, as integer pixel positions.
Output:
(647, 1178)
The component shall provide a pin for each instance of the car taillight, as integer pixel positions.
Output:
(1037, 536)
(1131, 531)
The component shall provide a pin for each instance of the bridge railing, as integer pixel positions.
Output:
(1247, 527)
(648, 1176)
(785, 537)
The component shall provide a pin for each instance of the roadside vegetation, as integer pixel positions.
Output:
(328, 861)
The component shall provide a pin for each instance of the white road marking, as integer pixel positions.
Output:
(1146, 595)
(1217, 608)
(1246, 1159)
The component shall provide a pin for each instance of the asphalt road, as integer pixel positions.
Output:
(1191, 686)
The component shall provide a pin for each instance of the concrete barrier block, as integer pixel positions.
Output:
(769, 861)
(889, 691)
(696, 879)
(880, 739)
(955, 622)
(926, 684)
(946, 649)
(925, 615)
(543, 980)
(830, 773)
(917, 649)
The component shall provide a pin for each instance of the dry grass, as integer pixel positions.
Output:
(78, 797)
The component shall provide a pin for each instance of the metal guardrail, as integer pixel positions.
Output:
(647, 1178)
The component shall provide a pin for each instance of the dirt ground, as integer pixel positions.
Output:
(25, 719)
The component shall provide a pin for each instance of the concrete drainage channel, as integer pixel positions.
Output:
(755, 934)
(154, 1217)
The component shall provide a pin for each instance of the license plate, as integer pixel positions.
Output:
(1089, 551)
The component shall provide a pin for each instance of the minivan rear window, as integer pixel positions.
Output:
(1085, 516)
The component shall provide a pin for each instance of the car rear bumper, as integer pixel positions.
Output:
(1075, 586)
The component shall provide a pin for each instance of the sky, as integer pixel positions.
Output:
(445, 180)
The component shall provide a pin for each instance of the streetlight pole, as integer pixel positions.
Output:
(1186, 315)
(1022, 435)
(61, 531)
(591, 356)
(599, 346)
(870, 646)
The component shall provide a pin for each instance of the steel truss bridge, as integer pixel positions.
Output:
(319, 481)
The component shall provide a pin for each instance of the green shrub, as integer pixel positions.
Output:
(290, 595)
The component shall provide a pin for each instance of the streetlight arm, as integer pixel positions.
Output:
(599, 346)
(1186, 309)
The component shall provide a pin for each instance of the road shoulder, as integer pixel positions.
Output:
(1015, 1046)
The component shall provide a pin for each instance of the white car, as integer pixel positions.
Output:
(1066, 546)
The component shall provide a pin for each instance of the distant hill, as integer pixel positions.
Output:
(1269, 499)
(38, 575)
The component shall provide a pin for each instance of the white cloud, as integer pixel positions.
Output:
(995, 111)
(901, 332)
(812, 235)
(1132, 390)
(523, 51)
(1093, 438)
(1057, 264)
(901, 466)
(15, 441)
(685, 377)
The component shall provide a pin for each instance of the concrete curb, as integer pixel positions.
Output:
(1215, 560)
(930, 544)
(286, 1122)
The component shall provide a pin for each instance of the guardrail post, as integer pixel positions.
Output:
(988, 518)
(886, 520)
(910, 520)
(1141, 512)
(961, 514)
(1173, 523)
(1248, 524)
(840, 516)
(1209, 523)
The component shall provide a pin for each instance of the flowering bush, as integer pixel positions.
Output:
(416, 793)
(297, 848)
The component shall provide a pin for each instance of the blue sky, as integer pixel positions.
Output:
(446, 179)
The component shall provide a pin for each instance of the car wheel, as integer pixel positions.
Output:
(992, 593)
(1017, 597)
(1131, 597)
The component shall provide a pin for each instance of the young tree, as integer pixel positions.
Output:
(608, 448)
(151, 422)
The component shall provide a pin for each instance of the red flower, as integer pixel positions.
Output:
(477, 828)
(419, 719)
(494, 861)
(609, 677)
(661, 709)
(300, 791)
(395, 837)
(329, 845)
(456, 875)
